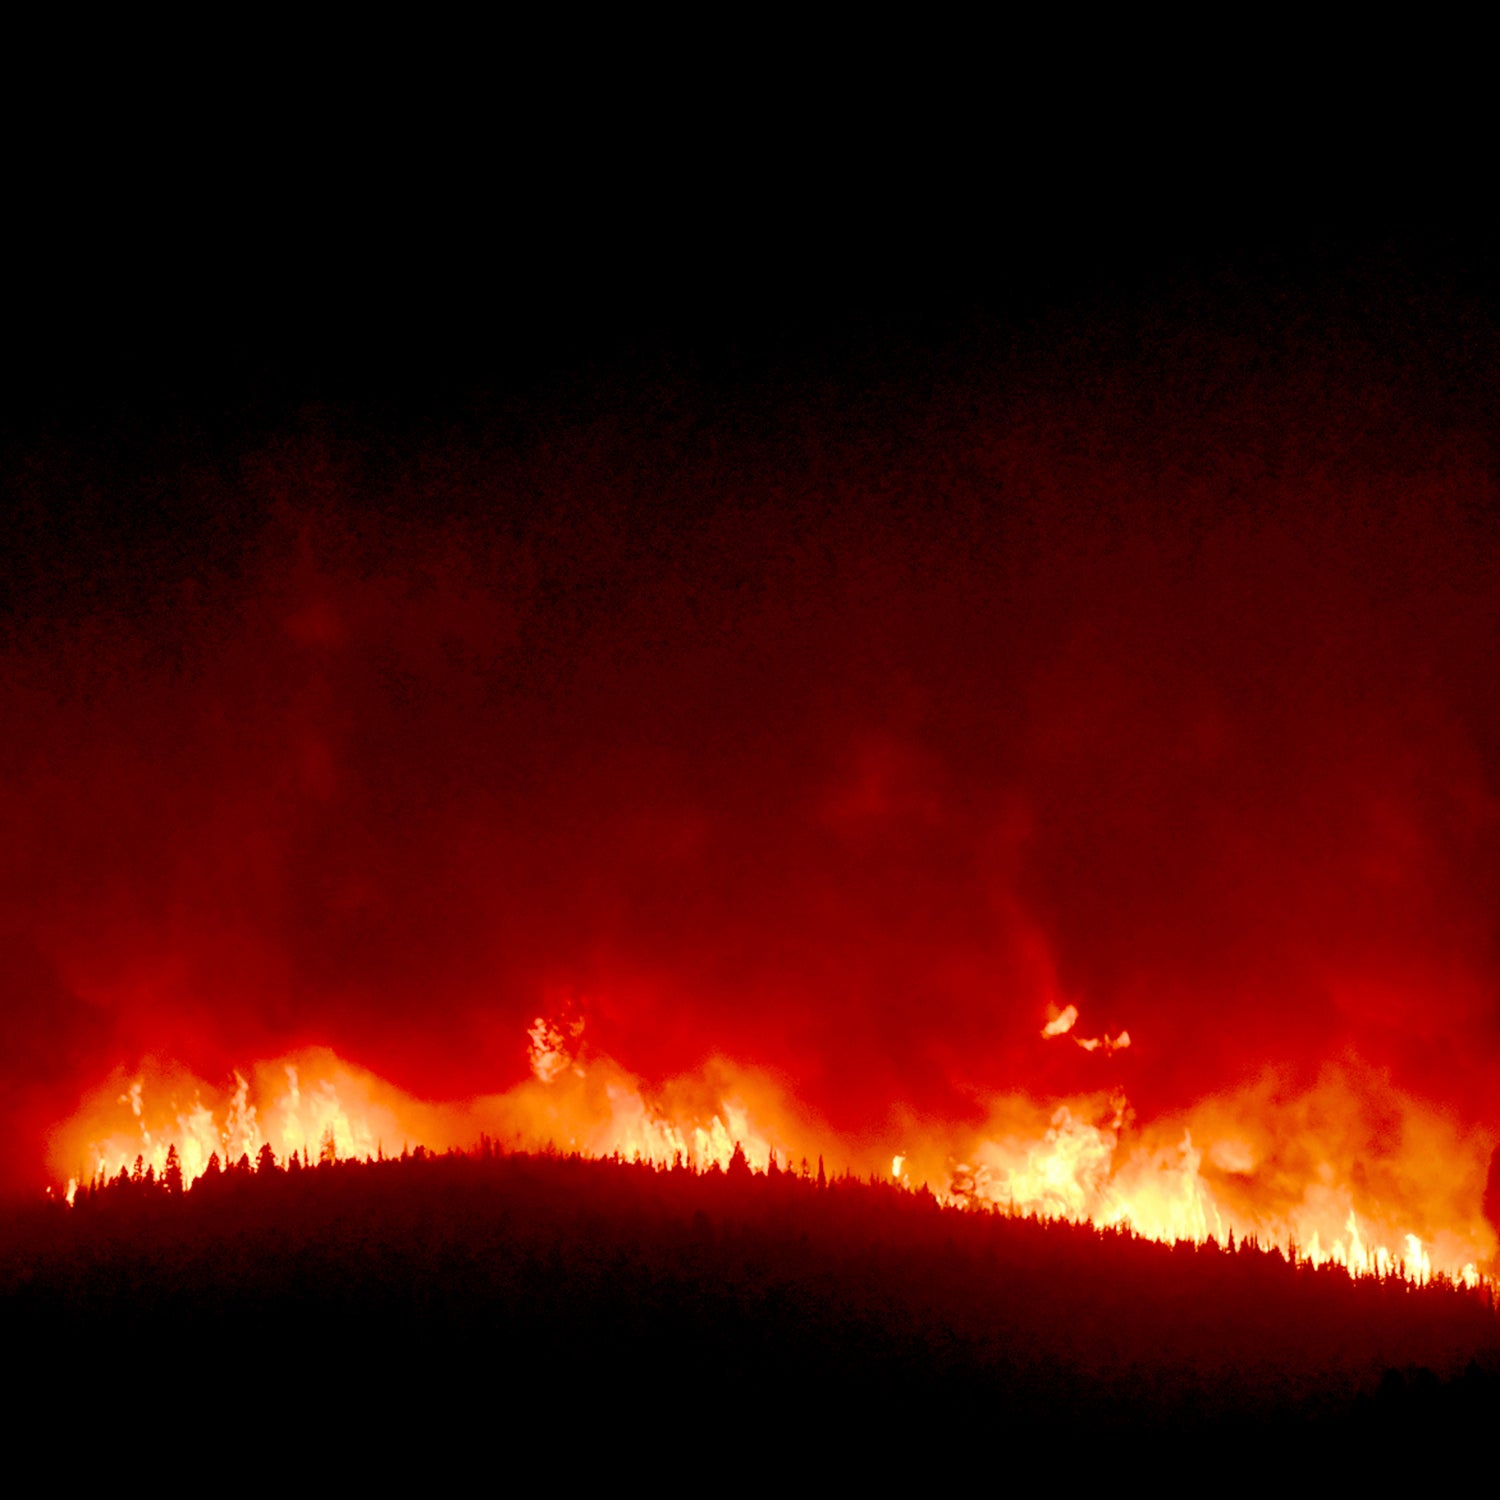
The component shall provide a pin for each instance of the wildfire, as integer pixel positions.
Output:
(1310, 1172)
(311, 1105)
(316, 1107)
(1323, 1173)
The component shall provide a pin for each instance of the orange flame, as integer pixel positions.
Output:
(1350, 1172)
(319, 1107)
(310, 1103)
(1321, 1173)
(1066, 1019)
(1062, 1023)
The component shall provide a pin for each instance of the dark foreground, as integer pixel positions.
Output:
(406, 1315)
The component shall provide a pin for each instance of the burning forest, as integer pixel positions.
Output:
(1304, 1172)
(929, 831)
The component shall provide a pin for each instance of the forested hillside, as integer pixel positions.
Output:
(506, 1294)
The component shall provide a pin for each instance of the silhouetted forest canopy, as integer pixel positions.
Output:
(496, 1282)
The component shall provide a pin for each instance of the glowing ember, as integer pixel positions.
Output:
(1067, 1019)
(549, 1048)
(1063, 1023)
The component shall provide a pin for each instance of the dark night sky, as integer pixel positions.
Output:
(823, 617)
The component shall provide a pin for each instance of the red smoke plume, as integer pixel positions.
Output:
(1148, 668)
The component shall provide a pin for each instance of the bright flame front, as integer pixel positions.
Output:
(1322, 1173)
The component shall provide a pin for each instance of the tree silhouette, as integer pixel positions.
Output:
(171, 1175)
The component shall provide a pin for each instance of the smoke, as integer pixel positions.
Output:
(1147, 669)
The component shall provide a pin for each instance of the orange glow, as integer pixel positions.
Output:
(1349, 1172)
(1062, 1023)
(1067, 1019)
(319, 1107)
(310, 1103)
(1323, 1173)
